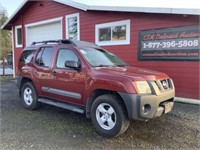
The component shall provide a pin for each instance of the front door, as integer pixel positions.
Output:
(67, 84)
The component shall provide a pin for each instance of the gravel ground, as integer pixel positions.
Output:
(55, 128)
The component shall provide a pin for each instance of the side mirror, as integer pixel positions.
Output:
(72, 64)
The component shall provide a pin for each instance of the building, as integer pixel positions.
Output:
(158, 38)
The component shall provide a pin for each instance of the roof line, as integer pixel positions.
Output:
(15, 12)
(73, 4)
(65, 2)
(78, 5)
(183, 11)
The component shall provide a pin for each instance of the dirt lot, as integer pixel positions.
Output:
(55, 128)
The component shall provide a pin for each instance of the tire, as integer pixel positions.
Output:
(109, 116)
(29, 96)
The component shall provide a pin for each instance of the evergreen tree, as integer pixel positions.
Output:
(5, 38)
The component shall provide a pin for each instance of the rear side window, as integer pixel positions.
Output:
(26, 56)
(44, 56)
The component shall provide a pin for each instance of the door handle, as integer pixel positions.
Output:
(53, 73)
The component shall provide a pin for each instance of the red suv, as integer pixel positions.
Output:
(83, 77)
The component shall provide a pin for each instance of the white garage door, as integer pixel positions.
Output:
(50, 31)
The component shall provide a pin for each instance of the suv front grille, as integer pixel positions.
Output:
(164, 84)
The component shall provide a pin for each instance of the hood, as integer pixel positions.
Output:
(132, 73)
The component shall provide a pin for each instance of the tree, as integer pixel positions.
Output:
(5, 38)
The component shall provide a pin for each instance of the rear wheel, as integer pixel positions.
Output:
(29, 96)
(109, 116)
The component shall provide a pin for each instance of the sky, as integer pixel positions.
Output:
(10, 5)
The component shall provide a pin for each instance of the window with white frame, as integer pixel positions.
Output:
(73, 27)
(113, 33)
(18, 36)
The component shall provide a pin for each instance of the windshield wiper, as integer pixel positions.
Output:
(121, 65)
(103, 65)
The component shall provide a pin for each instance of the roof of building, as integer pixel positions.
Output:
(145, 6)
(185, 7)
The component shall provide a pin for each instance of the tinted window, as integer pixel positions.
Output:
(19, 36)
(65, 55)
(26, 56)
(38, 58)
(44, 56)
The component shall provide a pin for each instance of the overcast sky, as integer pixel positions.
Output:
(12, 5)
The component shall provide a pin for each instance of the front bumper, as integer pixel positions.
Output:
(147, 106)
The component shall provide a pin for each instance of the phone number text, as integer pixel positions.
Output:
(171, 44)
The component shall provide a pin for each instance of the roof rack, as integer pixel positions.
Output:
(68, 42)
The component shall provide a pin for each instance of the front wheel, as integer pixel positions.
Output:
(29, 96)
(109, 116)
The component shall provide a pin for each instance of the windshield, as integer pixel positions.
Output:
(101, 58)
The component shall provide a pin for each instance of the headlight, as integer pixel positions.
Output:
(141, 87)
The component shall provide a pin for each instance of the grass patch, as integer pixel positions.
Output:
(6, 78)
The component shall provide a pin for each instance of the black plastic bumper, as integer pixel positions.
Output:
(18, 80)
(147, 106)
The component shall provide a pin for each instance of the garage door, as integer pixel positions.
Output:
(50, 31)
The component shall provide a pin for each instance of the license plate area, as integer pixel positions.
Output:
(167, 106)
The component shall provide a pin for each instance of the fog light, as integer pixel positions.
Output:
(146, 108)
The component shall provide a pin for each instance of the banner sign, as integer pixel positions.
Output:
(180, 43)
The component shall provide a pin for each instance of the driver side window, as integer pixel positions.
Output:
(65, 55)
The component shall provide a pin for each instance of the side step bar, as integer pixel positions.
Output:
(61, 105)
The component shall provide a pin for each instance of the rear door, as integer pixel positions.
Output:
(67, 84)
(43, 68)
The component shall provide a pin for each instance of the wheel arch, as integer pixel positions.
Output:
(97, 93)
(23, 81)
